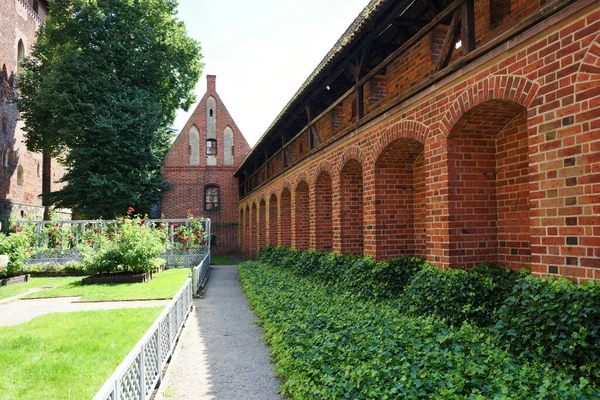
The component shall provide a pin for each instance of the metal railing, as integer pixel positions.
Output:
(200, 274)
(140, 372)
(72, 233)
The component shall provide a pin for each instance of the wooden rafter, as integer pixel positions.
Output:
(449, 42)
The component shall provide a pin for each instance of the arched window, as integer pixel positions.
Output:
(20, 54)
(20, 175)
(211, 198)
(4, 127)
(38, 170)
(5, 158)
(211, 147)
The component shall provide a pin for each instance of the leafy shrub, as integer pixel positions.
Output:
(332, 345)
(131, 248)
(554, 320)
(457, 295)
(73, 267)
(17, 246)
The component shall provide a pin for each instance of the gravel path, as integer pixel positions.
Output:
(220, 355)
(18, 311)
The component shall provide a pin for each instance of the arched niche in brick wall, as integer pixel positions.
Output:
(228, 158)
(241, 231)
(262, 224)
(302, 216)
(323, 212)
(351, 194)
(194, 143)
(247, 232)
(400, 200)
(488, 186)
(273, 221)
(285, 218)
(254, 232)
(20, 54)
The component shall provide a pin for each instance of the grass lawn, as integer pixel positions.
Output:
(222, 260)
(15, 290)
(165, 285)
(68, 355)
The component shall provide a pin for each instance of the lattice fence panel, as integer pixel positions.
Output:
(130, 382)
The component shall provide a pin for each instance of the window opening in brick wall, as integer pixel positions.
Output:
(211, 147)
(5, 159)
(38, 170)
(20, 175)
(36, 6)
(211, 112)
(211, 198)
(4, 128)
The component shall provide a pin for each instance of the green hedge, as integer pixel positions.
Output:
(554, 320)
(332, 344)
(550, 320)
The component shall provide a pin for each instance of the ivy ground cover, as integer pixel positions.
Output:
(68, 355)
(330, 343)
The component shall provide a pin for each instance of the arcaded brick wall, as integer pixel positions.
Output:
(510, 165)
(301, 237)
(323, 213)
(188, 182)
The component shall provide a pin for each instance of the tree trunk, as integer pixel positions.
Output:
(46, 183)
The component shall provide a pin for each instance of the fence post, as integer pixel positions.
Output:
(142, 374)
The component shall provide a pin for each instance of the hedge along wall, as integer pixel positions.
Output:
(497, 164)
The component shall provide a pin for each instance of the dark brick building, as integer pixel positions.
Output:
(461, 131)
(20, 170)
(200, 167)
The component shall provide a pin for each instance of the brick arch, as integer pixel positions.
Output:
(325, 166)
(273, 205)
(254, 230)
(511, 88)
(402, 130)
(588, 74)
(352, 153)
(301, 177)
(301, 214)
(285, 215)
(285, 185)
(323, 211)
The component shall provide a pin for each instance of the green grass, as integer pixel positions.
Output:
(15, 290)
(165, 285)
(222, 260)
(68, 355)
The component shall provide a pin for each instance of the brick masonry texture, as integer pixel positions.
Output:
(500, 162)
(19, 197)
(189, 181)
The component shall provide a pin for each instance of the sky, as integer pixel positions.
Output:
(262, 51)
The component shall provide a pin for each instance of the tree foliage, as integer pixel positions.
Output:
(99, 90)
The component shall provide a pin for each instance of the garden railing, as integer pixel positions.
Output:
(176, 256)
(200, 274)
(141, 371)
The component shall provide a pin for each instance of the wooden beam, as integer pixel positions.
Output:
(468, 26)
(449, 42)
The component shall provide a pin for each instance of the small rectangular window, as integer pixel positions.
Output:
(211, 198)
(211, 147)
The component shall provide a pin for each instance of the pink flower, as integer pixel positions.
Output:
(130, 210)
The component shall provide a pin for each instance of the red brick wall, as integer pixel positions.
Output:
(301, 217)
(273, 221)
(19, 23)
(510, 162)
(351, 186)
(189, 181)
(323, 213)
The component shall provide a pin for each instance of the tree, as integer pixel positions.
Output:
(101, 86)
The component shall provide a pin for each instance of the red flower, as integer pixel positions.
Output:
(130, 210)
(96, 230)
(186, 239)
(118, 232)
(198, 235)
(188, 211)
(89, 241)
(110, 235)
(58, 242)
(187, 248)
(142, 222)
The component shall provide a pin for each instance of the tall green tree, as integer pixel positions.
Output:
(101, 87)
